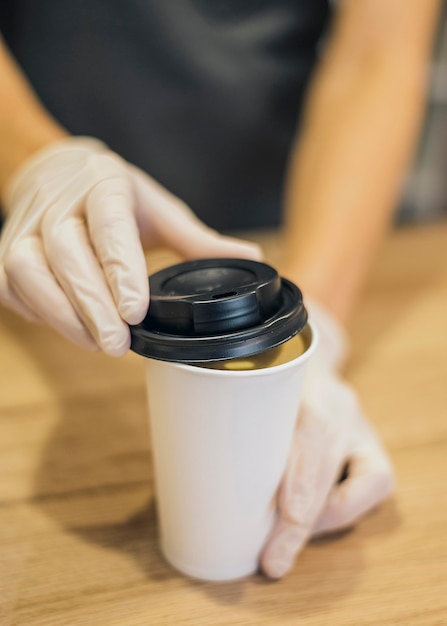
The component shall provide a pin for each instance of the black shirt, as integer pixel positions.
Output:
(202, 94)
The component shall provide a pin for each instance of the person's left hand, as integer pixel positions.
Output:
(338, 470)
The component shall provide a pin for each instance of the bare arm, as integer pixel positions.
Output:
(25, 126)
(362, 119)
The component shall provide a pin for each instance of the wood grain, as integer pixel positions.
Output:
(77, 518)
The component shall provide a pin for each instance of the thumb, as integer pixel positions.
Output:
(165, 219)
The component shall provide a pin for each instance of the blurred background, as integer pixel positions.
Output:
(425, 194)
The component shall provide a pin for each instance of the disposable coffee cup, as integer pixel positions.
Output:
(227, 343)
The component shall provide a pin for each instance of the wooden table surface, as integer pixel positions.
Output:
(77, 519)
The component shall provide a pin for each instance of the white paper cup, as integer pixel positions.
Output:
(220, 441)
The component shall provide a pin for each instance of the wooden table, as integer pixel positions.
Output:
(77, 523)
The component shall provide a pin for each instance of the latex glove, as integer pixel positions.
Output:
(332, 435)
(71, 251)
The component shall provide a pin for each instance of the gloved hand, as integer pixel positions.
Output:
(332, 438)
(71, 251)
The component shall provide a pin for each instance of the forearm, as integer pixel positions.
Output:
(345, 175)
(345, 180)
(25, 126)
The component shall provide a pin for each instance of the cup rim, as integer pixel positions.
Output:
(266, 371)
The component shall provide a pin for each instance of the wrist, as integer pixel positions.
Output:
(326, 312)
(22, 141)
(322, 290)
(53, 153)
(333, 340)
(25, 125)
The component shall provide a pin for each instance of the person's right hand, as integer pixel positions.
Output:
(338, 469)
(71, 252)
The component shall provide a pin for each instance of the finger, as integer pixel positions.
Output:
(31, 278)
(77, 270)
(30, 202)
(298, 487)
(116, 240)
(312, 470)
(369, 482)
(282, 549)
(288, 537)
(169, 221)
(318, 452)
(12, 300)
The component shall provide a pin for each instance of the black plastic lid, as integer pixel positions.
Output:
(217, 309)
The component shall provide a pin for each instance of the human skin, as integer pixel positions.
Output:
(361, 122)
(360, 125)
(357, 136)
(25, 126)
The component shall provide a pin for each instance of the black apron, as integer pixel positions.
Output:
(203, 94)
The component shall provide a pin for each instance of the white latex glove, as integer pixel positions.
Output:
(332, 434)
(71, 251)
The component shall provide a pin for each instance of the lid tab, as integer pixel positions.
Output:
(217, 309)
